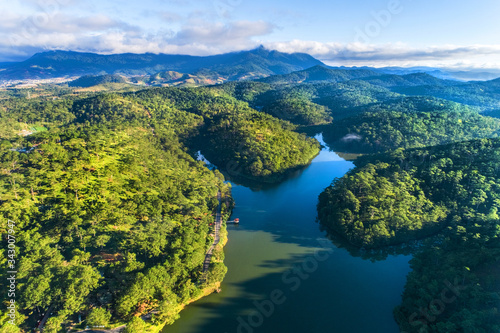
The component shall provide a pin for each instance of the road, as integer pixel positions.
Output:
(218, 224)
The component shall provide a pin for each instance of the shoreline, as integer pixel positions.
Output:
(207, 291)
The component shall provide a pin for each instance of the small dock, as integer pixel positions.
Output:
(235, 221)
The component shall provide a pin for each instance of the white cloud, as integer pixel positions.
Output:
(102, 34)
(219, 34)
(394, 54)
(194, 33)
(10, 20)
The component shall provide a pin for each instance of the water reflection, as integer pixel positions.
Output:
(378, 254)
(277, 249)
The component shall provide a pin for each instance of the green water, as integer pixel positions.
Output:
(328, 291)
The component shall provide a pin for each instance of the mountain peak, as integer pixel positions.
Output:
(261, 50)
(259, 62)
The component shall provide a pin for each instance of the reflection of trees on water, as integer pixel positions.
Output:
(379, 254)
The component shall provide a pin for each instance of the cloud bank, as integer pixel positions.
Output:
(358, 54)
(23, 33)
(21, 36)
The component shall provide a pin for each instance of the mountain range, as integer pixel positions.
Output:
(255, 63)
(482, 95)
(198, 70)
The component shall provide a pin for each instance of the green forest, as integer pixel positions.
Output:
(100, 210)
(388, 130)
(114, 214)
(450, 192)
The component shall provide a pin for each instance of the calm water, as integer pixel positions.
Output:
(280, 260)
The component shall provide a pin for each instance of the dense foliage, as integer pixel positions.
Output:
(94, 80)
(228, 131)
(413, 191)
(451, 190)
(377, 205)
(454, 284)
(113, 216)
(242, 141)
(18, 114)
(105, 217)
(484, 95)
(387, 130)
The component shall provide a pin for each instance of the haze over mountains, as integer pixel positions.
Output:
(122, 145)
(266, 66)
(258, 62)
(252, 64)
(484, 95)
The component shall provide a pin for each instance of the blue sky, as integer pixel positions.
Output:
(449, 33)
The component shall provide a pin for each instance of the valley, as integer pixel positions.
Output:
(115, 212)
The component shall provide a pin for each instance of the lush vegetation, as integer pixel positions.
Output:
(106, 218)
(94, 80)
(228, 131)
(242, 141)
(361, 117)
(454, 285)
(377, 205)
(388, 130)
(113, 214)
(413, 191)
(451, 191)
(447, 195)
(313, 103)
(484, 95)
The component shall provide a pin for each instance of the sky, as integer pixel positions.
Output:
(440, 33)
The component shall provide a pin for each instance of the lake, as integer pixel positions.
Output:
(284, 275)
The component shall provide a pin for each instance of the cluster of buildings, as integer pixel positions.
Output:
(32, 83)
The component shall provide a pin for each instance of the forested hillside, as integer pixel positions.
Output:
(452, 191)
(360, 117)
(386, 130)
(113, 216)
(242, 141)
(94, 80)
(459, 181)
(482, 95)
(107, 218)
(228, 131)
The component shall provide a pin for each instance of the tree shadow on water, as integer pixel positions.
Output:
(312, 299)
(253, 310)
(376, 254)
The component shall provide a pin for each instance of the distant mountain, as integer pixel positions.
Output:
(466, 74)
(94, 80)
(484, 95)
(172, 78)
(473, 75)
(409, 80)
(4, 65)
(492, 85)
(320, 73)
(255, 63)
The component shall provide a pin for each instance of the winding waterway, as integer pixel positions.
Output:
(286, 276)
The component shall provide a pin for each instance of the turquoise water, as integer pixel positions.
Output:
(286, 276)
